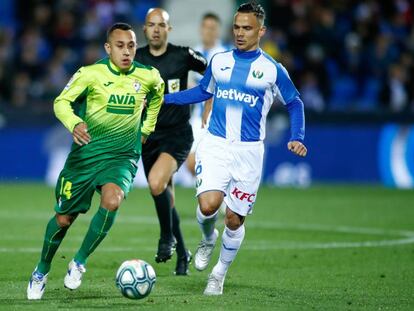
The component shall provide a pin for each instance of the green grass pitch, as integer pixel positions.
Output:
(323, 248)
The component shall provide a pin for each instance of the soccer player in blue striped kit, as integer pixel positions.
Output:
(244, 82)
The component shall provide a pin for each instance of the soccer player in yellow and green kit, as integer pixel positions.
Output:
(102, 107)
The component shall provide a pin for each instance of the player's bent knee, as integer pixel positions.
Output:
(156, 186)
(112, 197)
(207, 210)
(233, 221)
(233, 225)
(209, 207)
(210, 202)
(65, 221)
(111, 203)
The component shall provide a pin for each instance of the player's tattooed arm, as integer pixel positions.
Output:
(80, 134)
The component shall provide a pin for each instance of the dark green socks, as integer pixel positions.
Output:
(98, 229)
(53, 237)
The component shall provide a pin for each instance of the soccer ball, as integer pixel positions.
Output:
(135, 279)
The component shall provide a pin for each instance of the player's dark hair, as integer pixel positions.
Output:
(255, 8)
(212, 16)
(122, 26)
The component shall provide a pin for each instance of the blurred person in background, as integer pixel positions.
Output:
(395, 93)
(211, 44)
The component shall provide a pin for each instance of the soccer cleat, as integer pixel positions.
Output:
(204, 251)
(36, 286)
(182, 263)
(214, 285)
(165, 250)
(73, 278)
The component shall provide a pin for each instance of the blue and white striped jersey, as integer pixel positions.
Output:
(245, 84)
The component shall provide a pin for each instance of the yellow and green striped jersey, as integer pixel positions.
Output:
(110, 103)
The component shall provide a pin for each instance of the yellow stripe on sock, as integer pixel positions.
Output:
(103, 226)
(50, 242)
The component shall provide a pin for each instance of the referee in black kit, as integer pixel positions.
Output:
(169, 145)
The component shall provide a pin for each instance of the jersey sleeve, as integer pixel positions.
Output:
(297, 119)
(76, 88)
(288, 91)
(196, 61)
(190, 96)
(154, 101)
(289, 95)
(208, 83)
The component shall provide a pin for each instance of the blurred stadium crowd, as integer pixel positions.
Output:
(346, 56)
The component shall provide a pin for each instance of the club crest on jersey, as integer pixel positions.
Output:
(257, 74)
(136, 85)
(173, 85)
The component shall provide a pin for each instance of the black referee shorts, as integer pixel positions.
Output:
(176, 143)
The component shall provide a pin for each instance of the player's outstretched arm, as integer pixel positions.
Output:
(191, 96)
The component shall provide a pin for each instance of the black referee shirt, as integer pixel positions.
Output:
(173, 66)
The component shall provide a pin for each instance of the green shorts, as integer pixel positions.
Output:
(75, 188)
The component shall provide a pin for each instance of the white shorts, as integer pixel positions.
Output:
(235, 168)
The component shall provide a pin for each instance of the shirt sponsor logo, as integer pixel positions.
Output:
(121, 99)
(243, 196)
(234, 94)
(121, 104)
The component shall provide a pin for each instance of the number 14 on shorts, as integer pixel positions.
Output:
(65, 188)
